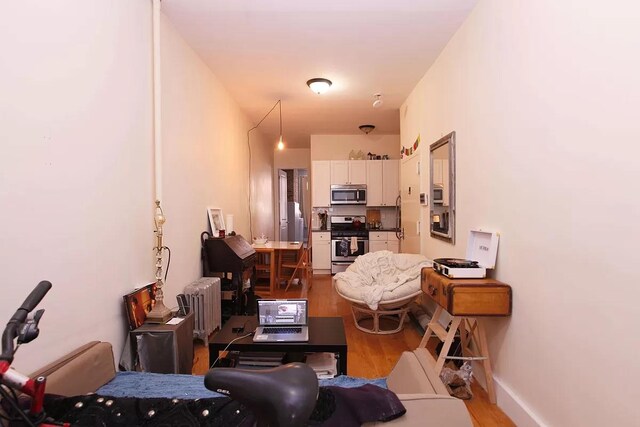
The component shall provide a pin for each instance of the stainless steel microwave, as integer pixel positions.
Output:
(438, 195)
(349, 194)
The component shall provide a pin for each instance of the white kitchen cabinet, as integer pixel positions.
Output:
(393, 244)
(383, 240)
(357, 171)
(375, 246)
(390, 182)
(321, 183)
(383, 182)
(321, 250)
(374, 183)
(348, 172)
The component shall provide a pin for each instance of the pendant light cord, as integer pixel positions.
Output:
(278, 103)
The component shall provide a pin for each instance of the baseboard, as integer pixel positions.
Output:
(508, 401)
(515, 408)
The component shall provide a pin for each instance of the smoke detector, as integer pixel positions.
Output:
(378, 100)
(366, 128)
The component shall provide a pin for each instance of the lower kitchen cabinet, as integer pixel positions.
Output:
(383, 240)
(321, 251)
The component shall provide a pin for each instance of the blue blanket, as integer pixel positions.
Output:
(145, 384)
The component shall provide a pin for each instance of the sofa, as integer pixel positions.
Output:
(413, 379)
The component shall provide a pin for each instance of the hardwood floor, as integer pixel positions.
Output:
(369, 355)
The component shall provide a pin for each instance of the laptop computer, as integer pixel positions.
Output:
(282, 320)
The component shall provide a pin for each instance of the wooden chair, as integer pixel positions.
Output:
(301, 264)
(266, 271)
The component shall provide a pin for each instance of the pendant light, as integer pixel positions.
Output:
(280, 143)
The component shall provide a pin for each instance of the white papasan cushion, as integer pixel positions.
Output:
(381, 276)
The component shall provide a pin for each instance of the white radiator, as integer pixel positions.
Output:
(203, 297)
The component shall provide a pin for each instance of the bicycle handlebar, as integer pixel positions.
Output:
(36, 296)
(11, 330)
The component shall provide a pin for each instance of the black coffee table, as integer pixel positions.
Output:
(326, 334)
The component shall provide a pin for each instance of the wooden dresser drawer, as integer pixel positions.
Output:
(467, 297)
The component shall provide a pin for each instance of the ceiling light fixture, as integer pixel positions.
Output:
(366, 128)
(319, 85)
(378, 101)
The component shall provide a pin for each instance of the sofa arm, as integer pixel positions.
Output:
(430, 410)
(81, 371)
(414, 374)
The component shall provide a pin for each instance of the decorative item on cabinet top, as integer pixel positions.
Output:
(374, 156)
(359, 155)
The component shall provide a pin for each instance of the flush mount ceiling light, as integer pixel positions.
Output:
(319, 85)
(366, 128)
(378, 100)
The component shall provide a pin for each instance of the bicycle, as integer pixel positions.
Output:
(22, 328)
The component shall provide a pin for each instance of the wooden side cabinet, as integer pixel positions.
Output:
(467, 297)
(468, 301)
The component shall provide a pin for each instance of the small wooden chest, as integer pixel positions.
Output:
(467, 297)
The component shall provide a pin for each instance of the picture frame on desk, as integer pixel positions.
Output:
(138, 304)
(216, 220)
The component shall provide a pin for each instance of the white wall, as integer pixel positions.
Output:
(544, 98)
(75, 166)
(205, 157)
(338, 147)
(292, 158)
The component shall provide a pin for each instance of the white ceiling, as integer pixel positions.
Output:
(265, 50)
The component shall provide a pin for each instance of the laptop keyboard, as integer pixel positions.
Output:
(281, 330)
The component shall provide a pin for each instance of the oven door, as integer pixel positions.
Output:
(341, 249)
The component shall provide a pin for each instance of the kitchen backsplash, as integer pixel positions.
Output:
(387, 214)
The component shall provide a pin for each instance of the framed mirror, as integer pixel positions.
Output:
(442, 188)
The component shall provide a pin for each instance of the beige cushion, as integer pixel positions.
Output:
(430, 410)
(423, 394)
(82, 371)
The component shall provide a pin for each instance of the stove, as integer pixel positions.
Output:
(349, 239)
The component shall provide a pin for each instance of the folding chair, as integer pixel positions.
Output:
(303, 263)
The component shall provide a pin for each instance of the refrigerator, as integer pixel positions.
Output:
(296, 222)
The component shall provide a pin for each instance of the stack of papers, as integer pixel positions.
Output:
(260, 359)
(323, 364)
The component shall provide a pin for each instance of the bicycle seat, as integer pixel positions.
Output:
(280, 397)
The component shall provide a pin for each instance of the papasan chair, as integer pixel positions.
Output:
(381, 285)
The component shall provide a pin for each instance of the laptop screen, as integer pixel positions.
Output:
(282, 312)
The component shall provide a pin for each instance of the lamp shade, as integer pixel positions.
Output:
(319, 85)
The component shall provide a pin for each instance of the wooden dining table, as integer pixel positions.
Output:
(275, 250)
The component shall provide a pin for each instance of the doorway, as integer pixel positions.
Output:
(294, 204)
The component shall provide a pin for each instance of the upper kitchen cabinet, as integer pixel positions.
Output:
(321, 183)
(374, 183)
(383, 182)
(390, 182)
(348, 172)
